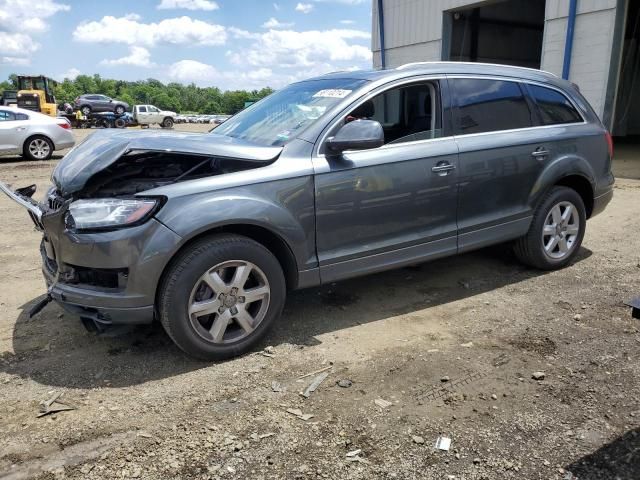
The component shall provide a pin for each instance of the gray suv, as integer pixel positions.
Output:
(94, 103)
(338, 176)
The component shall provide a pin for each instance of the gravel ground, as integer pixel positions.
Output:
(448, 348)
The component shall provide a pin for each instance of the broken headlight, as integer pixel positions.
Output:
(110, 213)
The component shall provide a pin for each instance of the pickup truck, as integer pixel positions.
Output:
(149, 114)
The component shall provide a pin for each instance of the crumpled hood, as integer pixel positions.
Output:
(102, 148)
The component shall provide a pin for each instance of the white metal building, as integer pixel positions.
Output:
(593, 43)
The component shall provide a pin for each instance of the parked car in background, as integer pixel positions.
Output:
(219, 119)
(94, 103)
(327, 179)
(150, 114)
(33, 134)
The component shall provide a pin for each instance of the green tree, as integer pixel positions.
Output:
(174, 96)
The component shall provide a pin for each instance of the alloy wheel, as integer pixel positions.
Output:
(561, 230)
(39, 148)
(229, 301)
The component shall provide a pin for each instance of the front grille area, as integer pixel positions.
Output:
(55, 201)
(96, 277)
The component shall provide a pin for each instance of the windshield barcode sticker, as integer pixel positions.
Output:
(333, 93)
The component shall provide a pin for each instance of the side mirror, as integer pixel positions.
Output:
(357, 135)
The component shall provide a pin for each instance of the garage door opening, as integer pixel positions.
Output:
(507, 32)
(626, 116)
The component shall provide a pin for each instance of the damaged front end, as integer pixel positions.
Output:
(102, 249)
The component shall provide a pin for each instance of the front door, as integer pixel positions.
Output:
(395, 204)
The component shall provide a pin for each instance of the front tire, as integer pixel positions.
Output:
(556, 231)
(167, 123)
(220, 296)
(38, 147)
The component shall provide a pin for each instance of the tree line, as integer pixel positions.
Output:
(172, 96)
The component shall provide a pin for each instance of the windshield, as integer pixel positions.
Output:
(279, 117)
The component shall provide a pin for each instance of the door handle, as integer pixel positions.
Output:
(443, 169)
(540, 153)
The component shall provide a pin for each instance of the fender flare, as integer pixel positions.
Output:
(228, 211)
(554, 172)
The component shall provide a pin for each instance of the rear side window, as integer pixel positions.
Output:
(490, 105)
(554, 107)
(6, 116)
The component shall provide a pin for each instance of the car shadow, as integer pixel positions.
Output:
(54, 349)
(619, 460)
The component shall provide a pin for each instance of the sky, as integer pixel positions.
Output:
(230, 44)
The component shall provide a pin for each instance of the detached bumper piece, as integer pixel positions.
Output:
(635, 307)
(37, 308)
(22, 197)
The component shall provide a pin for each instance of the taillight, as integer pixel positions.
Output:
(65, 125)
(609, 138)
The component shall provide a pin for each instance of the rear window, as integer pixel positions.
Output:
(554, 107)
(490, 105)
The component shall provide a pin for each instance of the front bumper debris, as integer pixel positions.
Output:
(635, 307)
(104, 278)
(23, 198)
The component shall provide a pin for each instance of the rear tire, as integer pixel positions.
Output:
(86, 110)
(556, 231)
(38, 147)
(119, 110)
(220, 296)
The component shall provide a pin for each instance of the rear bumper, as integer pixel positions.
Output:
(600, 202)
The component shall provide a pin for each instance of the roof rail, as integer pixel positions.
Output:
(413, 64)
(418, 64)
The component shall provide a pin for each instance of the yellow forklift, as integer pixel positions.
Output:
(36, 93)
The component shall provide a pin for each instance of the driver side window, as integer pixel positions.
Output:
(407, 114)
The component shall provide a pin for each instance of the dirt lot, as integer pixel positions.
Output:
(452, 345)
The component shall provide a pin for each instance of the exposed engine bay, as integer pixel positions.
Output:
(139, 171)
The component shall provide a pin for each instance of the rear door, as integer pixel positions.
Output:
(395, 204)
(502, 152)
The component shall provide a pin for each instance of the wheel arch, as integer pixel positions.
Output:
(570, 171)
(33, 135)
(271, 240)
(582, 186)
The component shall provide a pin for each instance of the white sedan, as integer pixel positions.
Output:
(32, 134)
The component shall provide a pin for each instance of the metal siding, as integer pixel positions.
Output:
(413, 31)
